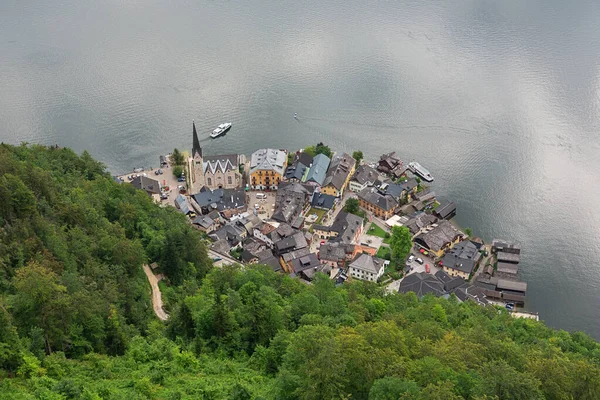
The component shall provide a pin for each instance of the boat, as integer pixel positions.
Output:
(221, 130)
(418, 169)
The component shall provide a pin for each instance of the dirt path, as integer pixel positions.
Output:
(156, 295)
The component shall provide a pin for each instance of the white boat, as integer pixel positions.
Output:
(221, 130)
(418, 169)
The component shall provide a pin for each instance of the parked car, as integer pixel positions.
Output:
(411, 258)
(217, 259)
(427, 269)
(420, 261)
(510, 306)
(181, 179)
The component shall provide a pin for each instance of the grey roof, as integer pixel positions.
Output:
(221, 246)
(231, 232)
(147, 184)
(318, 170)
(220, 199)
(462, 257)
(271, 261)
(295, 242)
(409, 184)
(504, 245)
(338, 171)
(421, 284)
(516, 286)
(424, 195)
(450, 283)
(182, 204)
(419, 220)
(303, 157)
(222, 163)
(365, 175)
(322, 200)
(345, 225)
(292, 255)
(438, 237)
(282, 231)
(507, 268)
(389, 162)
(196, 149)
(204, 221)
(295, 171)
(305, 262)
(334, 251)
(290, 200)
(508, 257)
(309, 273)
(268, 160)
(366, 262)
(446, 210)
(375, 198)
(393, 189)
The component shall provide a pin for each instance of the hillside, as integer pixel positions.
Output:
(76, 320)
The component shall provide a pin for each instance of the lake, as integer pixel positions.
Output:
(499, 100)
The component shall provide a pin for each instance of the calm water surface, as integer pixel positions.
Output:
(500, 100)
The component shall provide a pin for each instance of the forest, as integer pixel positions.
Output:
(76, 320)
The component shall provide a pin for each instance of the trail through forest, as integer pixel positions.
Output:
(156, 295)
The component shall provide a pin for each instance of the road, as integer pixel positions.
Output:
(157, 303)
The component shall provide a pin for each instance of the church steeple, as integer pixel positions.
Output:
(196, 143)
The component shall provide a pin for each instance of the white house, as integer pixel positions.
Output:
(364, 176)
(366, 267)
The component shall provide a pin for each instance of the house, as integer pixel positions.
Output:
(253, 250)
(205, 223)
(419, 220)
(421, 284)
(507, 270)
(336, 254)
(323, 201)
(263, 232)
(424, 195)
(300, 264)
(267, 258)
(230, 232)
(502, 289)
(182, 204)
(318, 170)
(391, 165)
(366, 267)
(346, 228)
(295, 172)
(338, 175)
(214, 172)
(230, 202)
(441, 237)
(148, 185)
(291, 243)
(365, 176)
(461, 259)
(505, 246)
(291, 200)
(446, 210)
(513, 258)
(267, 168)
(309, 273)
(380, 204)
(409, 188)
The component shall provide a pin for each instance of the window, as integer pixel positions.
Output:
(209, 181)
(229, 180)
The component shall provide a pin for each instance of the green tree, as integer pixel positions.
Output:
(352, 206)
(391, 388)
(358, 156)
(321, 148)
(177, 171)
(469, 232)
(400, 245)
(177, 157)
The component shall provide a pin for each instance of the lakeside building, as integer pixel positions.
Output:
(364, 177)
(149, 185)
(267, 168)
(461, 260)
(338, 175)
(380, 204)
(441, 237)
(391, 165)
(318, 170)
(214, 172)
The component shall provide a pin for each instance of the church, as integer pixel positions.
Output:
(214, 172)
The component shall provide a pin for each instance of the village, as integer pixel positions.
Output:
(318, 211)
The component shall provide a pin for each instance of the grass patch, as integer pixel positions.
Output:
(435, 205)
(375, 230)
(382, 252)
(319, 213)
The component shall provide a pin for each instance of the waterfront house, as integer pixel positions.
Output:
(507, 270)
(446, 210)
(214, 172)
(365, 176)
(295, 172)
(505, 246)
(424, 195)
(267, 168)
(318, 170)
(441, 237)
(346, 228)
(513, 258)
(338, 175)
(391, 165)
(148, 185)
(503, 289)
(366, 267)
(419, 221)
(380, 204)
(461, 260)
(291, 201)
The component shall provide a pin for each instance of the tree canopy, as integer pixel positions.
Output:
(358, 156)
(400, 245)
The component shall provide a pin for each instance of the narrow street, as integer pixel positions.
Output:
(157, 303)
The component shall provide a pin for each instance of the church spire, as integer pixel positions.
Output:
(196, 143)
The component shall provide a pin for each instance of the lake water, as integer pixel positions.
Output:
(499, 100)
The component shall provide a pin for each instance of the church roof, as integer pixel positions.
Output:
(196, 143)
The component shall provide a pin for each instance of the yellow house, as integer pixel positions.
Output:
(267, 167)
(338, 175)
(461, 260)
(440, 239)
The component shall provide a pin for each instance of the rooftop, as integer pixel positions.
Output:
(376, 199)
(366, 262)
(318, 170)
(268, 160)
(338, 171)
